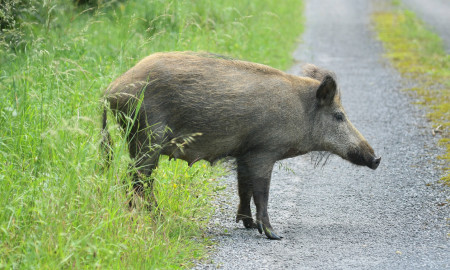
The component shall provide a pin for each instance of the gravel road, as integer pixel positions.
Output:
(436, 13)
(340, 216)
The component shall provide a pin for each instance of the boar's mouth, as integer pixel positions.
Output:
(364, 156)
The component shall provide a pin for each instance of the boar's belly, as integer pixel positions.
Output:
(205, 148)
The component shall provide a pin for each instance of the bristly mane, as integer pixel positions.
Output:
(255, 67)
(211, 55)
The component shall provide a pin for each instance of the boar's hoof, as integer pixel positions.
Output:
(268, 231)
(248, 221)
(249, 224)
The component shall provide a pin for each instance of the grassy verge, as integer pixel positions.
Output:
(58, 208)
(418, 54)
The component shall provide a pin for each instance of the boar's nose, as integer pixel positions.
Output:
(375, 163)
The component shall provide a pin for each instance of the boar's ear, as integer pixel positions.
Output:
(326, 91)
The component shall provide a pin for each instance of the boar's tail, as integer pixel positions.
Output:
(106, 138)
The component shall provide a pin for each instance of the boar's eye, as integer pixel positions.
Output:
(339, 116)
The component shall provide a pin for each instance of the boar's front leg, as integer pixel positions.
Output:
(245, 190)
(256, 168)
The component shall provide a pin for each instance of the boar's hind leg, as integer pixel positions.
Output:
(145, 161)
(257, 168)
(142, 180)
(245, 189)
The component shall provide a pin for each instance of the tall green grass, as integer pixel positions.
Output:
(58, 208)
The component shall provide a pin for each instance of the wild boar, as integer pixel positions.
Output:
(200, 106)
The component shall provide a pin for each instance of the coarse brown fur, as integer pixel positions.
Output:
(197, 106)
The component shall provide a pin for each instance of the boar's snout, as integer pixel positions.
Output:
(375, 163)
(364, 155)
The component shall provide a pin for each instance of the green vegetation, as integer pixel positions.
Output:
(58, 207)
(419, 54)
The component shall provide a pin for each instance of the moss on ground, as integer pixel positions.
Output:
(419, 54)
